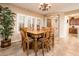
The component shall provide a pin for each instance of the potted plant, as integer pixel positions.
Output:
(6, 25)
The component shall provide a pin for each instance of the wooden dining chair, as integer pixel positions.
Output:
(44, 40)
(47, 39)
(25, 40)
(41, 42)
(22, 37)
(52, 36)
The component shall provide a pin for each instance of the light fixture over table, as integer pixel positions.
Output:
(44, 6)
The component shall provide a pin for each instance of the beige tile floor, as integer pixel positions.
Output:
(69, 47)
(62, 47)
(16, 50)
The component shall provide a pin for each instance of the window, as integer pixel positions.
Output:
(28, 21)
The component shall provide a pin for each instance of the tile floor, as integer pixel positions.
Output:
(62, 47)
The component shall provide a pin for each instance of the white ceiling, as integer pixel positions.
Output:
(56, 7)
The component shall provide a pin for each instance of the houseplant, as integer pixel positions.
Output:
(6, 25)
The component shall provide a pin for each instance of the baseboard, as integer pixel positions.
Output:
(16, 41)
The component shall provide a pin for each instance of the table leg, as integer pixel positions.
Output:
(27, 48)
(52, 40)
(35, 46)
(43, 47)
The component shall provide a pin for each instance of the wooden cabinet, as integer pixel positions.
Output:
(73, 30)
(74, 21)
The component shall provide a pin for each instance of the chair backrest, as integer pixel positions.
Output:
(43, 28)
(47, 33)
(24, 33)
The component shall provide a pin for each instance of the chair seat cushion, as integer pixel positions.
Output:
(30, 39)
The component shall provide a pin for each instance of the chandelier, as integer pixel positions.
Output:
(44, 6)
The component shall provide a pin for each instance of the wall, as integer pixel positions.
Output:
(72, 12)
(63, 26)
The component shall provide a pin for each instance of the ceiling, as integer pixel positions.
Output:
(56, 7)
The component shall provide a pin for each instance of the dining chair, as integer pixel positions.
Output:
(52, 36)
(44, 40)
(41, 42)
(25, 40)
(47, 40)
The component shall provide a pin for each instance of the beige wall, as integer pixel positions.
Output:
(72, 12)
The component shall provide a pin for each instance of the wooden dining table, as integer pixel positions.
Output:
(36, 34)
